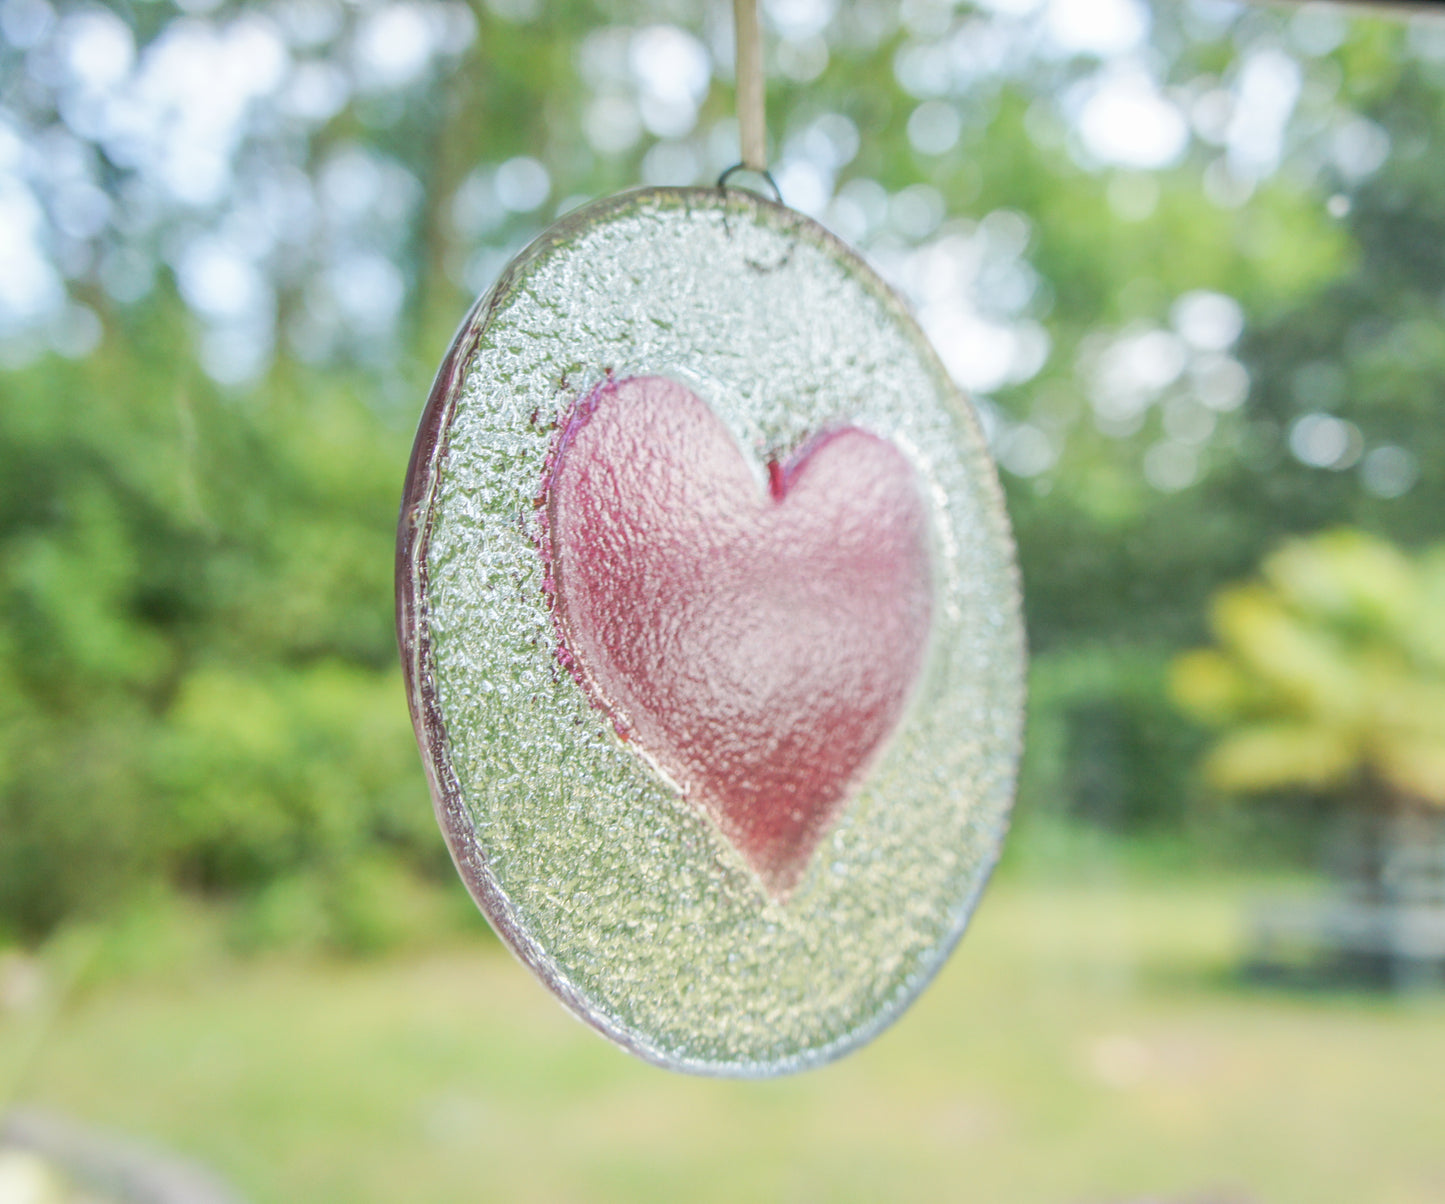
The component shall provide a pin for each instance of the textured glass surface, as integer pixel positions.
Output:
(627, 898)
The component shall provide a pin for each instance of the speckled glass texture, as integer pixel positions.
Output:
(624, 898)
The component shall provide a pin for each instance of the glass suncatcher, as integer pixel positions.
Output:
(711, 628)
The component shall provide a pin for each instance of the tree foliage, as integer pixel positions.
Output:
(199, 679)
(1186, 258)
(1327, 672)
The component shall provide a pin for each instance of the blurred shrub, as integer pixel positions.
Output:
(1104, 747)
(198, 679)
(367, 905)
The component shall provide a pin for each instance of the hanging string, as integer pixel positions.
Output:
(752, 121)
(752, 115)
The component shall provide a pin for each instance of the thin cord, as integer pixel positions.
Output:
(752, 120)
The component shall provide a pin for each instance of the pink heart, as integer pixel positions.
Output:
(757, 646)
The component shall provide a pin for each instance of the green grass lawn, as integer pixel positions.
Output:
(1086, 1044)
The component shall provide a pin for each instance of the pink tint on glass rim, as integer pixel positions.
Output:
(756, 644)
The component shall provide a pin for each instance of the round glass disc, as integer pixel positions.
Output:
(710, 619)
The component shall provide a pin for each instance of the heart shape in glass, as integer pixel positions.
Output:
(757, 645)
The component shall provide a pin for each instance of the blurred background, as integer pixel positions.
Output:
(1189, 260)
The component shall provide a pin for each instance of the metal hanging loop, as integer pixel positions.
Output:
(722, 180)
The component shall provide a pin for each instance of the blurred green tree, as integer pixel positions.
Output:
(1328, 674)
